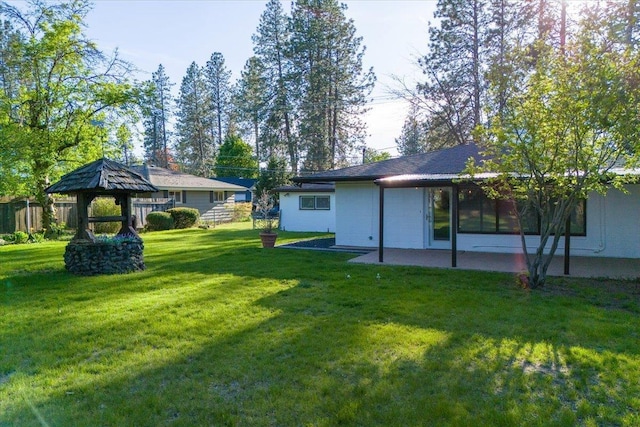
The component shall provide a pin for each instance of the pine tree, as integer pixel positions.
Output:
(454, 89)
(250, 99)
(157, 113)
(195, 147)
(331, 83)
(218, 79)
(269, 45)
(412, 139)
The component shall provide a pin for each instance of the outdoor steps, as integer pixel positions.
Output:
(217, 215)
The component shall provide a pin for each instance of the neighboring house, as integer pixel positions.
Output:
(206, 195)
(308, 207)
(418, 202)
(249, 185)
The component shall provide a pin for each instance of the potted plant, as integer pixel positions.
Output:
(266, 219)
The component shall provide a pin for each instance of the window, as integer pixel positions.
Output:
(315, 203)
(479, 214)
(323, 203)
(216, 196)
(176, 195)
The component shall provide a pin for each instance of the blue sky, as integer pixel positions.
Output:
(176, 33)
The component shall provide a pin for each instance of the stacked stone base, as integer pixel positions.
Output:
(86, 258)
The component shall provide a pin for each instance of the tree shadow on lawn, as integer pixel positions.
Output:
(333, 350)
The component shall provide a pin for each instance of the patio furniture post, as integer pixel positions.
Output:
(381, 228)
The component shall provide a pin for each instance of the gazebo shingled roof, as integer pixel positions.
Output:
(102, 176)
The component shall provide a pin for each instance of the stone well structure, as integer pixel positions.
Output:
(85, 254)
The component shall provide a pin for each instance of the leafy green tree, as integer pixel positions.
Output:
(577, 119)
(371, 155)
(235, 158)
(195, 147)
(56, 84)
(124, 141)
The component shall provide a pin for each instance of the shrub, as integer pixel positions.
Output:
(158, 221)
(105, 206)
(20, 237)
(242, 212)
(55, 231)
(184, 217)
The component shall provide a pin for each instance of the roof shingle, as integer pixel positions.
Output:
(446, 161)
(103, 175)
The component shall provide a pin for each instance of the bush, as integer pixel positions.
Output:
(20, 237)
(55, 231)
(158, 221)
(105, 206)
(242, 212)
(184, 217)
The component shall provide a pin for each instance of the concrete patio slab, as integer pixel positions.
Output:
(614, 268)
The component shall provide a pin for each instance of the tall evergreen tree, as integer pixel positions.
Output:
(412, 139)
(218, 79)
(195, 146)
(331, 83)
(270, 44)
(157, 113)
(454, 87)
(251, 99)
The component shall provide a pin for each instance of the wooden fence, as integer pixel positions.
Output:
(26, 215)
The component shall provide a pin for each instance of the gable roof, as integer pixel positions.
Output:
(445, 161)
(166, 179)
(103, 175)
(247, 183)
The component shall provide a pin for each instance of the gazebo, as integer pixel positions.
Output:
(86, 254)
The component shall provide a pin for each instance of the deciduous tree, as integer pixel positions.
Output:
(577, 119)
(235, 158)
(56, 84)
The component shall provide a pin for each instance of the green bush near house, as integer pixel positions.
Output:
(105, 206)
(184, 217)
(241, 212)
(158, 221)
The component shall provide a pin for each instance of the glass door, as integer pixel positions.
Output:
(438, 208)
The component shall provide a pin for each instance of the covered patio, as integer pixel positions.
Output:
(591, 267)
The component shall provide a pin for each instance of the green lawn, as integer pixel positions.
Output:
(218, 331)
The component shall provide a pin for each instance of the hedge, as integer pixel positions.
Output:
(184, 217)
(157, 221)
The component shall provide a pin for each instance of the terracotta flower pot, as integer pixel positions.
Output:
(268, 239)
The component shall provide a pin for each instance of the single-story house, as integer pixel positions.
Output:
(308, 207)
(418, 202)
(249, 185)
(206, 195)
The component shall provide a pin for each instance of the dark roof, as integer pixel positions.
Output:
(248, 183)
(307, 188)
(166, 179)
(103, 175)
(445, 161)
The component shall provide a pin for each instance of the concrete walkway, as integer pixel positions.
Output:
(615, 268)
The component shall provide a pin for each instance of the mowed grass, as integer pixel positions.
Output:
(218, 331)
